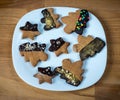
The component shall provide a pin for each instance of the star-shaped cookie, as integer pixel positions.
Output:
(43, 78)
(45, 74)
(29, 30)
(59, 46)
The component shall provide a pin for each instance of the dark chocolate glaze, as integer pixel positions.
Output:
(92, 48)
(47, 71)
(32, 47)
(48, 20)
(82, 20)
(29, 27)
(64, 75)
(56, 44)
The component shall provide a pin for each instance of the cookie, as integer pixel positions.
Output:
(82, 42)
(92, 48)
(33, 52)
(76, 21)
(50, 19)
(29, 30)
(43, 78)
(59, 46)
(88, 46)
(71, 71)
(45, 75)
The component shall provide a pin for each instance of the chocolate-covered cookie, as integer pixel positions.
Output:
(58, 46)
(50, 19)
(92, 48)
(76, 21)
(33, 52)
(88, 46)
(29, 30)
(45, 75)
(71, 72)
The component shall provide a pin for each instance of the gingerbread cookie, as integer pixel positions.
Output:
(29, 30)
(88, 46)
(33, 52)
(71, 72)
(82, 42)
(76, 21)
(43, 78)
(92, 48)
(50, 19)
(45, 75)
(59, 46)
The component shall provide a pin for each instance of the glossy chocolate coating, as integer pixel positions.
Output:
(29, 27)
(68, 76)
(48, 20)
(92, 48)
(46, 70)
(82, 20)
(56, 44)
(32, 47)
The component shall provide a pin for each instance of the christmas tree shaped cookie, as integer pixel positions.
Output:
(71, 71)
(33, 52)
(88, 46)
(76, 21)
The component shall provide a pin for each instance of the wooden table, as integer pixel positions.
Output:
(13, 88)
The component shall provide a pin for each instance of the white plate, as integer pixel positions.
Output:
(94, 67)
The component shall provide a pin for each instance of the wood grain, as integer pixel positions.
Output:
(13, 88)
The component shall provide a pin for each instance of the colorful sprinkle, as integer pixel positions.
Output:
(82, 20)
